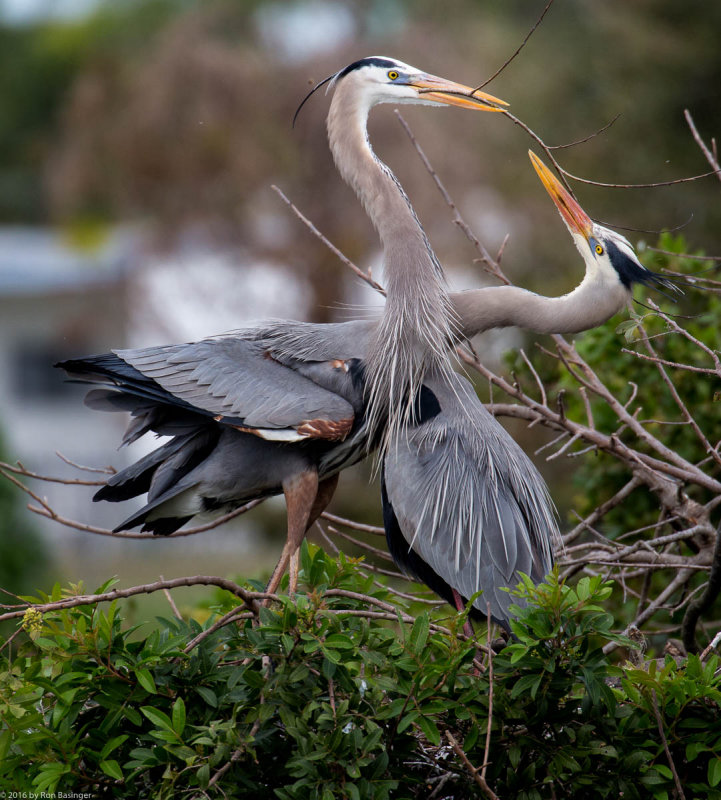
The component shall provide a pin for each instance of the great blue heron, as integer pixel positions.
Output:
(273, 380)
(230, 403)
(464, 508)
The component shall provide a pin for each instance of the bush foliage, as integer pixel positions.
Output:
(322, 696)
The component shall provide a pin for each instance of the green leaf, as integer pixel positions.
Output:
(159, 718)
(531, 682)
(419, 632)
(430, 729)
(208, 695)
(407, 720)
(132, 714)
(204, 776)
(112, 768)
(306, 560)
(111, 744)
(254, 679)
(714, 771)
(145, 679)
(339, 641)
(470, 741)
(179, 716)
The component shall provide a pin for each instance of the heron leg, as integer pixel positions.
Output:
(460, 606)
(326, 489)
(300, 493)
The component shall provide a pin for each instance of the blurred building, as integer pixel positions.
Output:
(57, 302)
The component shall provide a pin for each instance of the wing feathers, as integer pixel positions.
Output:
(469, 502)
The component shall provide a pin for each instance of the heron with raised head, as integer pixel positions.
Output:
(464, 508)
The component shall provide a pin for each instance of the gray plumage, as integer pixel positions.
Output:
(467, 500)
(286, 405)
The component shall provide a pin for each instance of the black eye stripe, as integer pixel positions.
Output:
(373, 61)
(628, 270)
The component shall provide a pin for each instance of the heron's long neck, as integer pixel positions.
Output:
(595, 300)
(416, 328)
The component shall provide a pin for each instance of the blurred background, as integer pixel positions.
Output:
(139, 140)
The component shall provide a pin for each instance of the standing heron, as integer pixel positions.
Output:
(288, 383)
(464, 508)
(245, 411)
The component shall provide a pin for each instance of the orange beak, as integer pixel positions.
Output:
(456, 94)
(573, 215)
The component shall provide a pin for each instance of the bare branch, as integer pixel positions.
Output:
(474, 773)
(311, 227)
(349, 523)
(585, 138)
(20, 469)
(662, 734)
(710, 157)
(486, 258)
(518, 49)
(170, 600)
(704, 603)
(489, 724)
(250, 599)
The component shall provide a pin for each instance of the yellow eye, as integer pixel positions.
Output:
(392, 75)
(599, 250)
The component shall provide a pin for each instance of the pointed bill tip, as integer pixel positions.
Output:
(573, 215)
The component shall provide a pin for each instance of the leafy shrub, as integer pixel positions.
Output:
(326, 696)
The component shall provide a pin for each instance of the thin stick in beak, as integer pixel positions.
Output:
(456, 94)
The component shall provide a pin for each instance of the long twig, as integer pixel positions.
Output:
(702, 604)
(518, 49)
(474, 773)
(712, 645)
(662, 734)
(357, 270)
(712, 160)
(485, 257)
(169, 598)
(489, 723)
(45, 510)
(20, 469)
(250, 599)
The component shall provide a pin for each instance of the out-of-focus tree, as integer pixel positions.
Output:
(39, 63)
(184, 125)
(176, 112)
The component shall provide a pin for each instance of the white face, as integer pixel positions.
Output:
(605, 252)
(378, 79)
(388, 83)
(604, 243)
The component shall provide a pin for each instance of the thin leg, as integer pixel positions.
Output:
(300, 494)
(460, 606)
(326, 489)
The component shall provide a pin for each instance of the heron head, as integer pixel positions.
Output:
(378, 79)
(600, 247)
